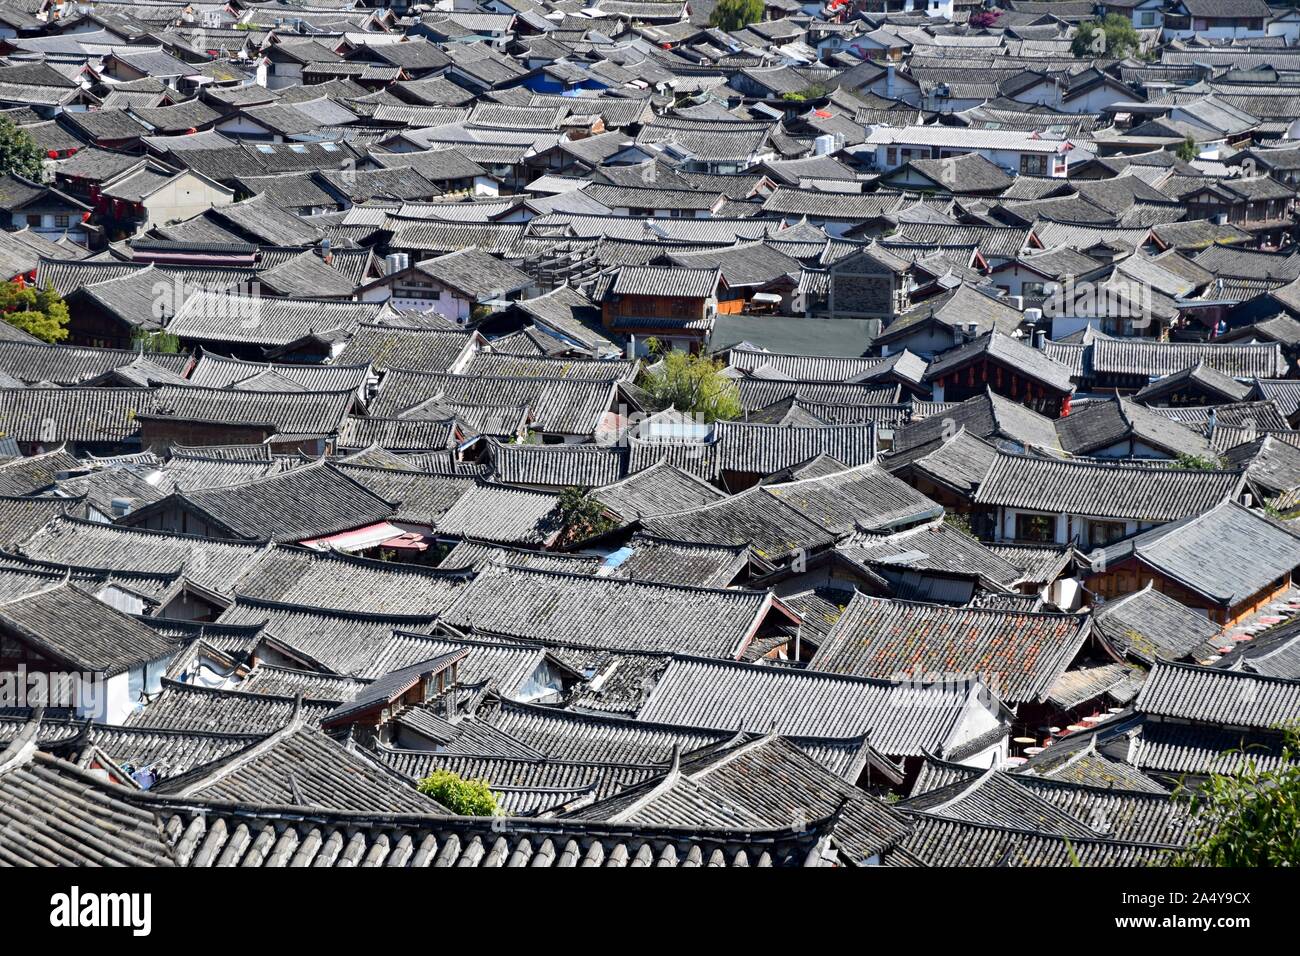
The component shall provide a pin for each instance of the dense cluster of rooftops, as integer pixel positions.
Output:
(355, 463)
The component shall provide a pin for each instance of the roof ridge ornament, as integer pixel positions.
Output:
(23, 747)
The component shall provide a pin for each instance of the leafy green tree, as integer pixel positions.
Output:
(469, 798)
(1113, 37)
(694, 384)
(814, 92)
(581, 516)
(1250, 818)
(1196, 463)
(158, 341)
(38, 312)
(736, 14)
(1187, 150)
(19, 152)
(958, 521)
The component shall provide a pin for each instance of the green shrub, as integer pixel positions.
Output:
(469, 798)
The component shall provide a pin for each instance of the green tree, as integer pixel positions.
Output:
(469, 798)
(158, 341)
(1250, 818)
(736, 14)
(38, 312)
(958, 521)
(19, 152)
(1196, 463)
(1187, 150)
(1113, 37)
(814, 92)
(694, 384)
(581, 516)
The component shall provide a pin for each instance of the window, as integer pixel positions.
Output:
(891, 156)
(61, 222)
(1104, 532)
(34, 220)
(1032, 164)
(1035, 528)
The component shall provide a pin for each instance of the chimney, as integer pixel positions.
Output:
(121, 507)
(1211, 423)
(325, 252)
(1040, 339)
(889, 81)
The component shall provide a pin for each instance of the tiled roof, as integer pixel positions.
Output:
(1018, 656)
(865, 498)
(1225, 552)
(308, 502)
(1118, 490)
(71, 627)
(1185, 692)
(902, 719)
(610, 613)
(73, 365)
(214, 317)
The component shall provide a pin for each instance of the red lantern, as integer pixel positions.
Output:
(53, 153)
(85, 216)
